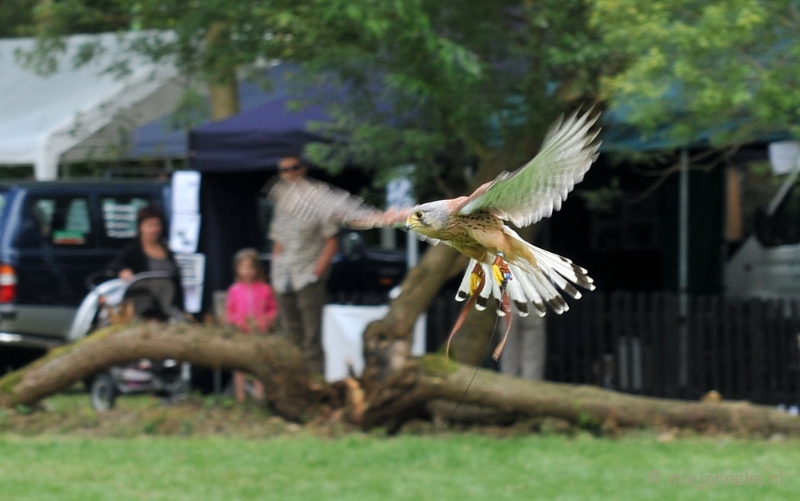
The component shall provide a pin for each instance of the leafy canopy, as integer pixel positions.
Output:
(442, 84)
(450, 85)
(728, 65)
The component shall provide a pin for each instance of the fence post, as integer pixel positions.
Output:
(794, 350)
(697, 338)
(645, 342)
(741, 347)
(713, 344)
(672, 335)
(759, 317)
(605, 364)
(659, 346)
(614, 328)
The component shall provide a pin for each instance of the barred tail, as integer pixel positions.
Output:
(537, 282)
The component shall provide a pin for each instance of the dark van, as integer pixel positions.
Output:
(53, 235)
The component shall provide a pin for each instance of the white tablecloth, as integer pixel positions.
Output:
(342, 337)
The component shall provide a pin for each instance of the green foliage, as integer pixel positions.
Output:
(191, 111)
(206, 38)
(586, 421)
(446, 86)
(450, 87)
(23, 409)
(699, 64)
(16, 18)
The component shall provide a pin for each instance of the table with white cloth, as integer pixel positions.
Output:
(343, 337)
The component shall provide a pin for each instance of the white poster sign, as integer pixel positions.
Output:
(192, 297)
(193, 269)
(184, 232)
(784, 155)
(185, 192)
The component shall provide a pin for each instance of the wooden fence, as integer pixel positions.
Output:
(640, 343)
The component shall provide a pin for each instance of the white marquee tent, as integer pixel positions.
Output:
(74, 113)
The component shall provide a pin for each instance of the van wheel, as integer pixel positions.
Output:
(103, 393)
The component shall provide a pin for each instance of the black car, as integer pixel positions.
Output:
(52, 236)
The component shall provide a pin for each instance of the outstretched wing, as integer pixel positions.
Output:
(320, 201)
(538, 188)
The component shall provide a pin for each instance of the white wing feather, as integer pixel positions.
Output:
(538, 188)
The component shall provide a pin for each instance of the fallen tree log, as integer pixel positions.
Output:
(406, 393)
(411, 390)
(276, 362)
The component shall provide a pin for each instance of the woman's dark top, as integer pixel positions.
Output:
(134, 258)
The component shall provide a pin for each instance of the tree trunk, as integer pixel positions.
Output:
(224, 96)
(387, 342)
(222, 81)
(276, 362)
(419, 382)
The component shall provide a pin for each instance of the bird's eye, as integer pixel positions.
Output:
(418, 214)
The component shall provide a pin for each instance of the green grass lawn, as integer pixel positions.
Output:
(438, 467)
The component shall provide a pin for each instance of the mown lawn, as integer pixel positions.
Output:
(439, 467)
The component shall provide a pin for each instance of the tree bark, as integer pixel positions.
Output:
(222, 81)
(276, 362)
(430, 385)
(387, 342)
(430, 379)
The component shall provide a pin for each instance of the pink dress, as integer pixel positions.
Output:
(251, 301)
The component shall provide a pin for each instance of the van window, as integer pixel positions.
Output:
(62, 221)
(119, 218)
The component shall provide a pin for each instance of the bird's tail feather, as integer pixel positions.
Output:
(534, 283)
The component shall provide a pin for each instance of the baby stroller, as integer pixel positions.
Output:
(148, 296)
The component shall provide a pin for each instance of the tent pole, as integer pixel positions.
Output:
(412, 250)
(683, 269)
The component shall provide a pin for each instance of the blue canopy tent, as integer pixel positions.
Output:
(254, 140)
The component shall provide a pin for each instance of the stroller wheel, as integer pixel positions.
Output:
(103, 392)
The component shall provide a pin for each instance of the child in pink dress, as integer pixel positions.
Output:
(250, 306)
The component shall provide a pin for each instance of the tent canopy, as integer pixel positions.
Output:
(255, 139)
(159, 139)
(42, 117)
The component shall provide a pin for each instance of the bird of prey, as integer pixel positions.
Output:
(502, 264)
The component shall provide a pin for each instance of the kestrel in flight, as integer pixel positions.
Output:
(502, 264)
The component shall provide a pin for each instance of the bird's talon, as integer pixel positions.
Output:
(474, 283)
(502, 273)
(476, 280)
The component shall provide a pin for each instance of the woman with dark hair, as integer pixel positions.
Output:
(149, 252)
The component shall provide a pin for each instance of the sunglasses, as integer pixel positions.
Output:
(290, 169)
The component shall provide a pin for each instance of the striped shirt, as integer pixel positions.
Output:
(302, 241)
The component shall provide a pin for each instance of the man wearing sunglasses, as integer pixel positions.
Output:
(301, 256)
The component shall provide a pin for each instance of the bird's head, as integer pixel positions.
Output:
(429, 219)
